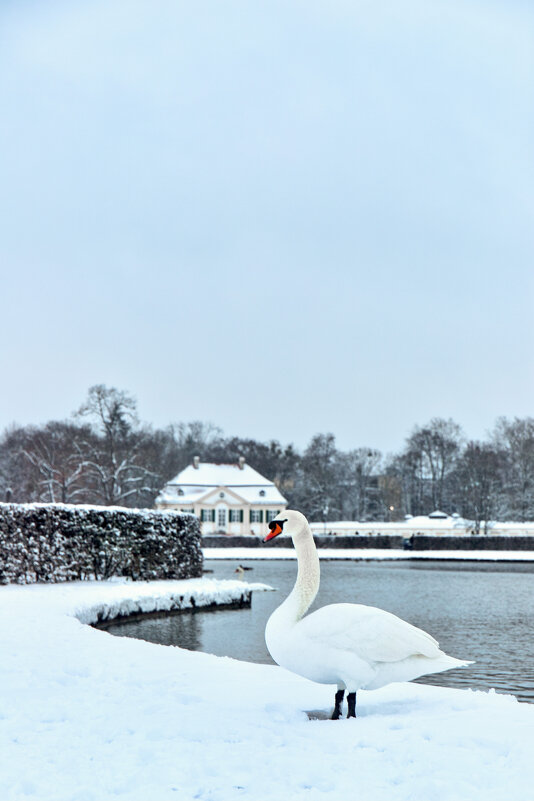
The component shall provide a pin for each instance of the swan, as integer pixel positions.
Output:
(351, 645)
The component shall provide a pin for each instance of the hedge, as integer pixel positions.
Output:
(60, 542)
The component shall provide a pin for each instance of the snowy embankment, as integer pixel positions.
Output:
(362, 554)
(90, 717)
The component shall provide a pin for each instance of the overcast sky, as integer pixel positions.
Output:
(280, 217)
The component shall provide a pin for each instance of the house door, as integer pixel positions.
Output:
(221, 518)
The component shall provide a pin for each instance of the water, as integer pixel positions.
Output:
(478, 611)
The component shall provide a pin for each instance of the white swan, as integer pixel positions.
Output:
(351, 645)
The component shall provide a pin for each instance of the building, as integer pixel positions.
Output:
(435, 523)
(228, 498)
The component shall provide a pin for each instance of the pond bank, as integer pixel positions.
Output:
(86, 717)
(241, 602)
(369, 554)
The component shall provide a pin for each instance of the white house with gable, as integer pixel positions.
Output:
(229, 498)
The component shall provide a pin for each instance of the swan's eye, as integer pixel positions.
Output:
(277, 524)
(276, 527)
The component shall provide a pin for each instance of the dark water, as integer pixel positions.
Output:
(478, 611)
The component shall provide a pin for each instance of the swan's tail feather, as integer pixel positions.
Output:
(446, 662)
(413, 668)
(462, 662)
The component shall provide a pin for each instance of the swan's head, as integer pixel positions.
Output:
(288, 522)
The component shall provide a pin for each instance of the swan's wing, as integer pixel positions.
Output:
(370, 633)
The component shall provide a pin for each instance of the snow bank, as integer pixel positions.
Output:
(438, 523)
(362, 554)
(90, 717)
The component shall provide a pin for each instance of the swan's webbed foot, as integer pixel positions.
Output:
(336, 714)
(351, 699)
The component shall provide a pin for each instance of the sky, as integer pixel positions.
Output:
(283, 218)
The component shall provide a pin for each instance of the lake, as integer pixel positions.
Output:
(477, 610)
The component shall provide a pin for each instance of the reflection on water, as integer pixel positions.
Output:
(173, 629)
(483, 612)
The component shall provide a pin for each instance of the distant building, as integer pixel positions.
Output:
(229, 498)
(437, 523)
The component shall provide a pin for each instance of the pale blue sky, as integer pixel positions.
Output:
(281, 217)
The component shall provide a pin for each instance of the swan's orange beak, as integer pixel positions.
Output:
(275, 530)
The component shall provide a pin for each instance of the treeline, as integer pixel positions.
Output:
(104, 455)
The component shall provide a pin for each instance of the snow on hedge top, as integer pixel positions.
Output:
(87, 507)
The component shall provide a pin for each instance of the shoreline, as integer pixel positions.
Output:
(244, 601)
(90, 716)
(371, 555)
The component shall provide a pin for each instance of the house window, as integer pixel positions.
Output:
(180, 492)
(207, 515)
(256, 515)
(236, 515)
(270, 516)
(190, 511)
(221, 518)
(262, 493)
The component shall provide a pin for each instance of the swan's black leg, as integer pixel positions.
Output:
(351, 699)
(339, 703)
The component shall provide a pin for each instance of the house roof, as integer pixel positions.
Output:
(169, 494)
(197, 482)
(252, 494)
(216, 475)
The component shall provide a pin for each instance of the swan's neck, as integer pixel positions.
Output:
(303, 593)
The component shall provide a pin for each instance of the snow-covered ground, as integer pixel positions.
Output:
(436, 524)
(359, 554)
(86, 716)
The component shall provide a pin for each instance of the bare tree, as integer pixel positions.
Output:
(478, 473)
(409, 470)
(318, 490)
(431, 453)
(19, 480)
(116, 473)
(516, 439)
(56, 453)
(358, 471)
(196, 439)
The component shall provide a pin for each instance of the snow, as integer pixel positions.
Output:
(233, 495)
(197, 483)
(169, 494)
(88, 507)
(252, 495)
(214, 475)
(86, 716)
(363, 554)
(423, 524)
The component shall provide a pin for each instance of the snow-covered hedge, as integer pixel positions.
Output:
(58, 542)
